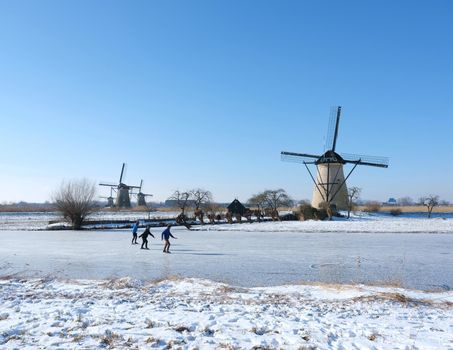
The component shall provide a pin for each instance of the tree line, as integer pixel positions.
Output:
(76, 200)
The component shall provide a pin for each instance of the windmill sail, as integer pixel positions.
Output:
(122, 171)
(332, 129)
(109, 185)
(299, 157)
(382, 162)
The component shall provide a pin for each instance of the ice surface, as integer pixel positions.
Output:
(243, 258)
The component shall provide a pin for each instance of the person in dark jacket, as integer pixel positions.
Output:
(166, 234)
(144, 237)
(134, 232)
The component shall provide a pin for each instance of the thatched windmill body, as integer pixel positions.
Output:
(330, 183)
(123, 199)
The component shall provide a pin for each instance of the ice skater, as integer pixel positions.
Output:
(144, 237)
(166, 234)
(134, 232)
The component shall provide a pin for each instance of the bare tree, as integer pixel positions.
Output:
(258, 200)
(404, 201)
(213, 211)
(201, 197)
(430, 202)
(353, 195)
(182, 200)
(276, 199)
(75, 200)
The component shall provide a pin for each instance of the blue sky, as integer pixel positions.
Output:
(207, 93)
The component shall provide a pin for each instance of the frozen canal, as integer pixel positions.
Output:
(412, 260)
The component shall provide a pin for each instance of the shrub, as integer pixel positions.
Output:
(395, 212)
(307, 212)
(372, 207)
(75, 200)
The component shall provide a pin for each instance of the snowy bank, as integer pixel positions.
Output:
(364, 223)
(200, 314)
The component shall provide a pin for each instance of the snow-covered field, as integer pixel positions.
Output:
(364, 223)
(199, 314)
(39, 221)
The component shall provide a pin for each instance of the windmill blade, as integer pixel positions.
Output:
(109, 185)
(141, 183)
(381, 162)
(298, 157)
(332, 129)
(122, 171)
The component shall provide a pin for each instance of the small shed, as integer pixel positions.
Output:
(236, 207)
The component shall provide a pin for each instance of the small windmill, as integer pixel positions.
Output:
(110, 202)
(141, 201)
(330, 184)
(123, 199)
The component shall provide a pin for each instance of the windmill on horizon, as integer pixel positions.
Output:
(122, 190)
(330, 184)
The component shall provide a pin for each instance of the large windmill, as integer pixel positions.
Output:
(330, 183)
(141, 197)
(123, 199)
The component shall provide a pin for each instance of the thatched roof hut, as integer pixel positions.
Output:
(236, 207)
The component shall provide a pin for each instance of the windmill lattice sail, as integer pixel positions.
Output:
(332, 128)
(382, 162)
(299, 157)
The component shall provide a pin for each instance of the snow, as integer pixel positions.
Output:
(200, 314)
(364, 223)
(375, 282)
(39, 221)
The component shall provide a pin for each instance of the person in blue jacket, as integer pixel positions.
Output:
(166, 234)
(134, 232)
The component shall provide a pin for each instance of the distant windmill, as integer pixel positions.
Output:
(123, 199)
(110, 202)
(330, 183)
(141, 202)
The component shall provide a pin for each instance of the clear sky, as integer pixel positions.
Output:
(207, 93)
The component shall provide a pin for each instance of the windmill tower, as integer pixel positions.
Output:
(123, 199)
(141, 197)
(330, 184)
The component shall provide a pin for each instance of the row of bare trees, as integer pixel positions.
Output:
(269, 201)
(196, 198)
(75, 200)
